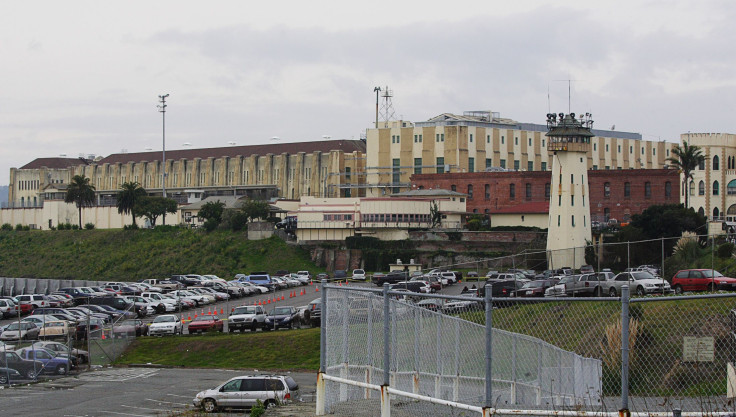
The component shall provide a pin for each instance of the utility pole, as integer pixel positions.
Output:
(377, 90)
(162, 110)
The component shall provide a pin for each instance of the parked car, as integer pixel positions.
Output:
(20, 331)
(205, 324)
(9, 376)
(392, 278)
(536, 288)
(28, 368)
(558, 290)
(7, 309)
(165, 324)
(434, 283)
(701, 280)
(451, 277)
(246, 317)
(95, 326)
(56, 330)
(358, 275)
(505, 288)
(413, 286)
(583, 285)
(261, 279)
(432, 304)
(37, 300)
(81, 355)
(313, 312)
(130, 328)
(639, 282)
(281, 317)
(340, 274)
(587, 269)
(52, 363)
(245, 391)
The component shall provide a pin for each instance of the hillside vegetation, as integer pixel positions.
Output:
(130, 255)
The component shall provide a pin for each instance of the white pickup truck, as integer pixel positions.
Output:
(165, 286)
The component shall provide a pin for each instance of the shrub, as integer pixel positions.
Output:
(258, 409)
(6, 226)
(75, 227)
(18, 226)
(725, 250)
(210, 225)
(26, 228)
(89, 226)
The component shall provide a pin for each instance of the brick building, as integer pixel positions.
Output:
(614, 194)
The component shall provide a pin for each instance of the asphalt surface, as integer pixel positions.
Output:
(125, 392)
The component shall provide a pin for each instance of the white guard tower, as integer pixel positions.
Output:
(569, 205)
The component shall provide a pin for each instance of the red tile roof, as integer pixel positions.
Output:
(347, 146)
(54, 163)
(536, 207)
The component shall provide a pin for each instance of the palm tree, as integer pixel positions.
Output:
(686, 159)
(81, 193)
(128, 197)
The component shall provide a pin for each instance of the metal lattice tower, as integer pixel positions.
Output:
(387, 108)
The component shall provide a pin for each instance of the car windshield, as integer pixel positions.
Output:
(358, 271)
(640, 275)
(533, 284)
(566, 279)
(129, 323)
(712, 274)
(207, 318)
(245, 310)
(282, 310)
(164, 319)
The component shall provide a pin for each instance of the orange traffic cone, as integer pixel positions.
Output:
(189, 318)
(195, 315)
(269, 301)
(222, 311)
(103, 335)
(316, 289)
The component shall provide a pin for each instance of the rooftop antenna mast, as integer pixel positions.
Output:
(569, 93)
(162, 110)
(377, 90)
(387, 107)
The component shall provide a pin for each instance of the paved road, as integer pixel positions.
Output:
(124, 392)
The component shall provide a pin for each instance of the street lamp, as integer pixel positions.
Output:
(162, 110)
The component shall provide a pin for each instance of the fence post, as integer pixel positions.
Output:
(417, 330)
(385, 402)
(369, 368)
(321, 389)
(438, 358)
(624, 352)
(489, 346)
(456, 385)
(344, 373)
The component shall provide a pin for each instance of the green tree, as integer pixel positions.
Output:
(154, 207)
(435, 215)
(129, 195)
(81, 193)
(686, 159)
(256, 209)
(212, 211)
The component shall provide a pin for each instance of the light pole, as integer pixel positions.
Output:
(162, 110)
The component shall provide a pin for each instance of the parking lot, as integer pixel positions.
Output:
(125, 392)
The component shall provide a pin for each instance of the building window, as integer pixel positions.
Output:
(559, 200)
(631, 149)
(716, 188)
(470, 191)
(543, 143)
(471, 164)
(627, 189)
(417, 165)
(503, 139)
(619, 148)
(437, 137)
(440, 165)
(654, 151)
(516, 140)
(512, 191)
(648, 189)
(546, 191)
(692, 187)
(503, 163)
(573, 220)
(488, 139)
(516, 165)
(701, 188)
(528, 191)
(606, 147)
(453, 187)
(716, 213)
(420, 138)
(488, 191)
(572, 201)
(530, 166)
(606, 189)
(716, 163)
(416, 138)
(595, 146)
(595, 167)
(607, 214)
(530, 141)
(667, 189)
(701, 164)
(558, 221)
(489, 163)
(442, 137)
(544, 166)
(471, 139)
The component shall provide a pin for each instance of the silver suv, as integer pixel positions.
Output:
(247, 317)
(244, 391)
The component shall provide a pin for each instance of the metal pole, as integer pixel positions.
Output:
(489, 345)
(386, 335)
(377, 90)
(628, 254)
(323, 331)
(624, 350)
(162, 109)
(661, 271)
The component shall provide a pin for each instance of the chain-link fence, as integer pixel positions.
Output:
(420, 354)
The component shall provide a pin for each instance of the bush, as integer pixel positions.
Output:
(18, 226)
(130, 227)
(89, 226)
(210, 225)
(258, 409)
(75, 227)
(6, 226)
(725, 250)
(26, 228)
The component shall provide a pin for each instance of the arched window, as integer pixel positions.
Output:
(716, 163)
(701, 211)
(692, 187)
(716, 188)
(701, 188)
(470, 191)
(731, 188)
(701, 164)
(716, 213)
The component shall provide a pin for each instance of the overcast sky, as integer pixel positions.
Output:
(84, 76)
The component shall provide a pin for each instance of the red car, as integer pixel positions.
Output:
(701, 280)
(536, 288)
(204, 324)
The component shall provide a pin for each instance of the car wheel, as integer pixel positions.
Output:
(269, 404)
(161, 309)
(61, 370)
(639, 290)
(678, 289)
(612, 292)
(31, 374)
(710, 288)
(209, 405)
(3, 379)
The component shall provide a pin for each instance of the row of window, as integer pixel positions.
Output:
(606, 190)
(337, 217)
(396, 217)
(512, 191)
(715, 189)
(647, 189)
(28, 185)
(731, 163)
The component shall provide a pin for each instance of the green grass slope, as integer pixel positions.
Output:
(130, 255)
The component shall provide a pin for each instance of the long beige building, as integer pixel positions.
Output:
(289, 170)
(482, 140)
(712, 191)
